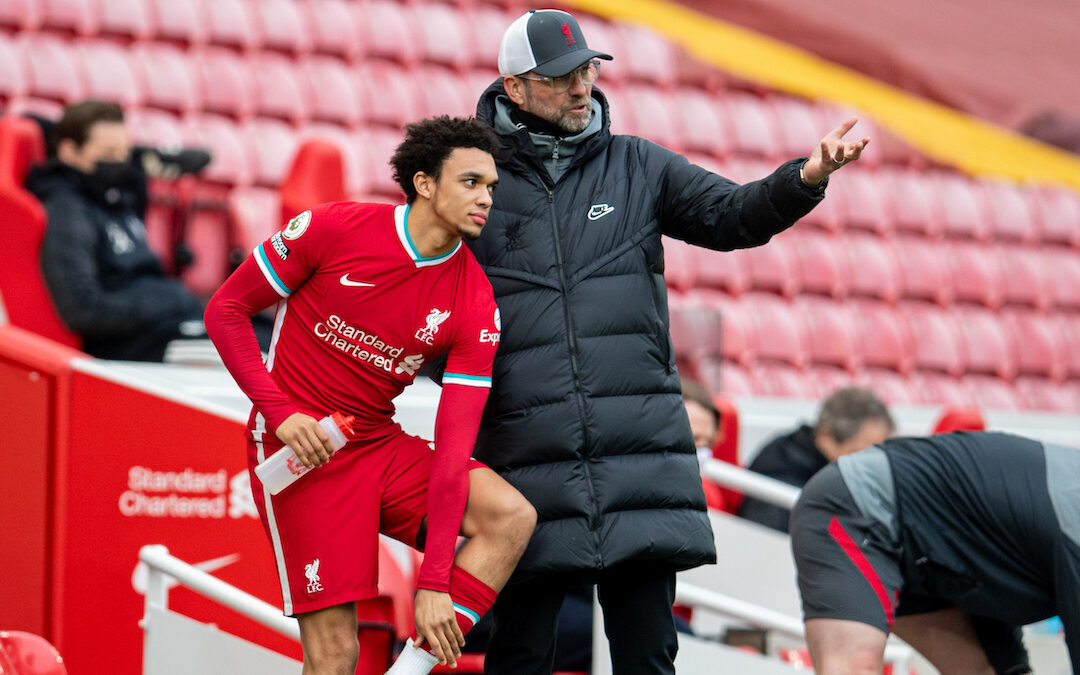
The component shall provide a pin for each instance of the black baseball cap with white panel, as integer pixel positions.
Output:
(547, 42)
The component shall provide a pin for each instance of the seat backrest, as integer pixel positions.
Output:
(24, 653)
(936, 340)
(316, 175)
(26, 300)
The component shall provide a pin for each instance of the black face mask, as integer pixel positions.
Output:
(116, 183)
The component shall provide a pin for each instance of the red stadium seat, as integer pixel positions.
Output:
(829, 333)
(482, 23)
(13, 81)
(828, 379)
(1068, 330)
(649, 56)
(180, 21)
(727, 378)
(272, 144)
(603, 36)
(207, 233)
(316, 175)
(655, 116)
(820, 262)
(799, 126)
(1058, 209)
(21, 15)
(129, 19)
(720, 270)
(26, 299)
(76, 17)
(334, 28)
(719, 326)
(865, 199)
(256, 214)
(226, 82)
(24, 653)
(50, 66)
(168, 78)
(988, 346)
(357, 177)
(388, 94)
(445, 92)
(753, 129)
(1025, 277)
(782, 381)
(386, 32)
(924, 270)
(1062, 269)
(1010, 212)
(963, 213)
(891, 387)
(885, 340)
(154, 128)
(990, 392)
(975, 274)
(873, 270)
(283, 26)
(1039, 393)
(334, 92)
(107, 75)
(680, 265)
(379, 145)
(915, 205)
(940, 389)
(231, 163)
(777, 332)
(441, 35)
(1039, 347)
(936, 340)
(771, 268)
(703, 128)
(231, 23)
(280, 90)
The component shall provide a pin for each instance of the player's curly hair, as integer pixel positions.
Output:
(430, 141)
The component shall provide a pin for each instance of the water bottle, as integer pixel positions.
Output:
(281, 469)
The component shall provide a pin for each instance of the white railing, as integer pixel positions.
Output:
(164, 566)
(760, 617)
(751, 484)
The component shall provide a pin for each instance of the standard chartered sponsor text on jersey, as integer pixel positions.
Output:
(362, 346)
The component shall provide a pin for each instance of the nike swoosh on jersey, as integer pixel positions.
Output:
(346, 281)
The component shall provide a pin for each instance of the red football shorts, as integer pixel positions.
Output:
(325, 527)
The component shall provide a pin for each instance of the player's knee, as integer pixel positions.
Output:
(518, 518)
(334, 652)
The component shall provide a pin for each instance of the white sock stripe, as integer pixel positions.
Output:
(467, 613)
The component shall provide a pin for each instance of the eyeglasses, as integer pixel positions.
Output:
(588, 74)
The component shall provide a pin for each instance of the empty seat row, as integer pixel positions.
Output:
(914, 337)
(778, 380)
(431, 32)
(801, 262)
(163, 76)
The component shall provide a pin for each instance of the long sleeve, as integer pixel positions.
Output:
(456, 423)
(228, 323)
(709, 210)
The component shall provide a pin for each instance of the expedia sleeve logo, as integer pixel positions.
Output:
(492, 336)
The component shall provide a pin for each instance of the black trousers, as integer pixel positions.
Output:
(636, 600)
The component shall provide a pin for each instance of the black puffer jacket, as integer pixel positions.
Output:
(793, 458)
(106, 282)
(586, 417)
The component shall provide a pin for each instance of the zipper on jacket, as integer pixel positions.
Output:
(572, 344)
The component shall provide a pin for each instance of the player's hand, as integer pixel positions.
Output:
(307, 439)
(436, 624)
(832, 153)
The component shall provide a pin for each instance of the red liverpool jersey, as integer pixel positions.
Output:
(362, 311)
